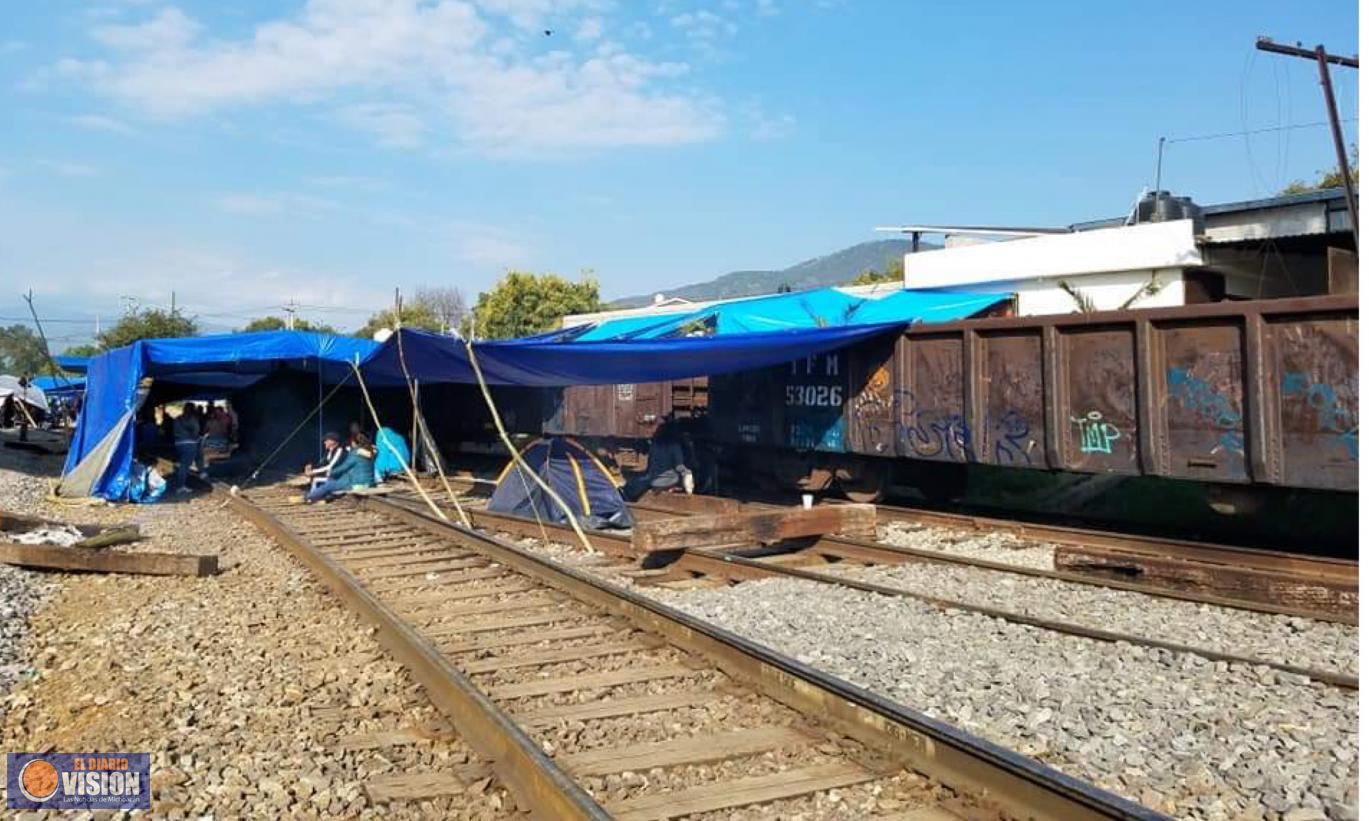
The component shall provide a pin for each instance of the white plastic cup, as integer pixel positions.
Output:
(807, 501)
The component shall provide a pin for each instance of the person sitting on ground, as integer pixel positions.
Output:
(356, 469)
(185, 431)
(392, 454)
(216, 430)
(665, 464)
(332, 455)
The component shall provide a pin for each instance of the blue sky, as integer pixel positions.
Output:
(247, 153)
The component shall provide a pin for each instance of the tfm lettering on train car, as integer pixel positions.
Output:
(830, 366)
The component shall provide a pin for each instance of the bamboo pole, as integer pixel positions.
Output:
(518, 457)
(375, 417)
(426, 437)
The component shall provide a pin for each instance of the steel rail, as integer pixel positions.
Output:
(878, 552)
(529, 773)
(1269, 560)
(1020, 785)
(729, 566)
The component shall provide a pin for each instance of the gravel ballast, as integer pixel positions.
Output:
(254, 690)
(1180, 734)
(1268, 637)
(1003, 548)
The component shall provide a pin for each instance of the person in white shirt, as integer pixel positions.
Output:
(332, 454)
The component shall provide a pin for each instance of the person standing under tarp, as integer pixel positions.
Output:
(356, 469)
(665, 464)
(185, 432)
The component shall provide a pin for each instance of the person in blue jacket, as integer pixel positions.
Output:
(355, 469)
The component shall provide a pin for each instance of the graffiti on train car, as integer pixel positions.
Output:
(930, 434)
(1337, 408)
(1096, 434)
(1211, 403)
(1013, 442)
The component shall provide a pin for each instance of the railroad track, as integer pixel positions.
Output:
(565, 682)
(700, 567)
(1312, 587)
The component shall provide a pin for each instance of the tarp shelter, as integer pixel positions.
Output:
(820, 308)
(587, 487)
(101, 454)
(747, 335)
(73, 364)
(59, 386)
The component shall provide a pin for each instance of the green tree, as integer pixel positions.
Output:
(149, 323)
(893, 272)
(275, 323)
(413, 315)
(1329, 179)
(525, 303)
(82, 350)
(21, 351)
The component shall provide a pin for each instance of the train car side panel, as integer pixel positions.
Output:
(1010, 422)
(1201, 434)
(1315, 375)
(929, 399)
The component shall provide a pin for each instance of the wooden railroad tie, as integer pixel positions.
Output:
(768, 527)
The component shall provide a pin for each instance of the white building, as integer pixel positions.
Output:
(1294, 245)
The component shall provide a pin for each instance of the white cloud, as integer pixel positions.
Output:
(703, 26)
(99, 122)
(405, 71)
(394, 125)
(769, 127)
(590, 29)
(766, 8)
(68, 169)
(170, 30)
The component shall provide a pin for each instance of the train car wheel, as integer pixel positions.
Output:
(866, 486)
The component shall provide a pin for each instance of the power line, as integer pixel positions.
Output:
(1249, 131)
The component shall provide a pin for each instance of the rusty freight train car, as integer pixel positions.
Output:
(1230, 393)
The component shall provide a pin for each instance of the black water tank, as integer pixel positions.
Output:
(1191, 210)
(1167, 208)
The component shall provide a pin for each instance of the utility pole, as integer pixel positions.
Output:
(173, 303)
(1324, 60)
(289, 310)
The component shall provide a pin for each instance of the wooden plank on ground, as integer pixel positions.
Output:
(594, 681)
(56, 557)
(564, 654)
(1304, 592)
(740, 793)
(699, 749)
(615, 708)
(767, 527)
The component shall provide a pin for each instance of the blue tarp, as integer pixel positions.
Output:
(73, 364)
(58, 385)
(822, 308)
(746, 335)
(435, 358)
(99, 461)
